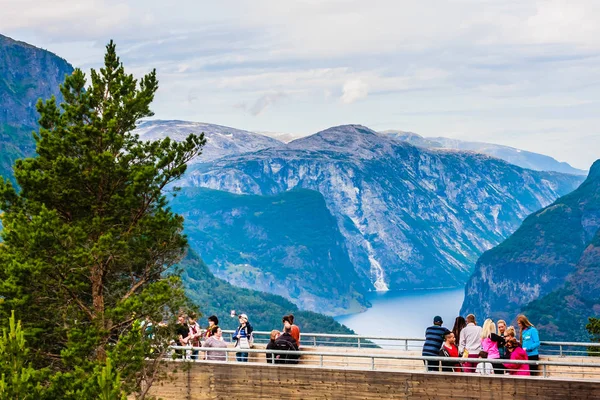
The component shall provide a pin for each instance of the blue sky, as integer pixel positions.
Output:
(521, 73)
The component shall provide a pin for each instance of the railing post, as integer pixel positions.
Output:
(321, 360)
(359, 342)
(560, 350)
(372, 363)
(406, 344)
(226, 356)
(544, 371)
(315, 341)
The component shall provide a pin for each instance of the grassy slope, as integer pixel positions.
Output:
(216, 296)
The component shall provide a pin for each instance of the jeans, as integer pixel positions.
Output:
(241, 357)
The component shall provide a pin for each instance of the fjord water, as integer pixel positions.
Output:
(405, 313)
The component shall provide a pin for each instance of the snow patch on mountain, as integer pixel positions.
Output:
(221, 141)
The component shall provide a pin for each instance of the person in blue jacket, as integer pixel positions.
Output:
(530, 339)
(243, 331)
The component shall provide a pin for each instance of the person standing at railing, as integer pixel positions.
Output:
(182, 331)
(449, 349)
(212, 322)
(489, 344)
(502, 344)
(434, 338)
(470, 343)
(243, 337)
(459, 325)
(516, 353)
(195, 332)
(530, 340)
(215, 340)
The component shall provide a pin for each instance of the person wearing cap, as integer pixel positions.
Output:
(434, 338)
(243, 331)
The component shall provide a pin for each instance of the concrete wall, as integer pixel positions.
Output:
(260, 381)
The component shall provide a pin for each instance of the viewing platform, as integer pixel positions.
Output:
(360, 367)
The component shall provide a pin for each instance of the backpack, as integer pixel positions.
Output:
(284, 345)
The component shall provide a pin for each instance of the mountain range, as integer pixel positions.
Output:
(321, 220)
(549, 268)
(221, 141)
(410, 217)
(522, 158)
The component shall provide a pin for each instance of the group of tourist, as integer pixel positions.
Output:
(478, 344)
(189, 333)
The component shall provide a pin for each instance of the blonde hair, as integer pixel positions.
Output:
(510, 331)
(274, 334)
(488, 328)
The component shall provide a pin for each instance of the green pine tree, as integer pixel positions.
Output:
(88, 238)
(18, 380)
(593, 328)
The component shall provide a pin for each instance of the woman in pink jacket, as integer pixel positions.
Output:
(489, 347)
(516, 353)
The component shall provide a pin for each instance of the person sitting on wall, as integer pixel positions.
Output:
(272, 346)
(295, 332)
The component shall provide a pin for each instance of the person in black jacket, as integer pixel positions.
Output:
(272, 346)
(286, 342)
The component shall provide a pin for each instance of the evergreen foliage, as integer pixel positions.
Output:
(88, 238)
(593, 328)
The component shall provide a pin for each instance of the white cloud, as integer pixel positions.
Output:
(476, 65)
(354, 90)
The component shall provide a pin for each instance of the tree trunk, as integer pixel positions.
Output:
(98, 306)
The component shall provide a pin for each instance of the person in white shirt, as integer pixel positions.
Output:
(470, 343)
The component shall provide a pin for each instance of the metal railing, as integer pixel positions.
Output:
(409, 344)
(387, 362)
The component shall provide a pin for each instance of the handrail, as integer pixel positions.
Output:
(543, 364)
(410, 339)
(389, 356)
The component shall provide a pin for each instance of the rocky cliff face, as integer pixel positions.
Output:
(548, 267)
(287, 244)
(411, 218)
(26, 74)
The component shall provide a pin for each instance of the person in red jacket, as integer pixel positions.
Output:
(288, 321)
(516, 353)
(449, 349)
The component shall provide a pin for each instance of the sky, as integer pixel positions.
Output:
(523, 73)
